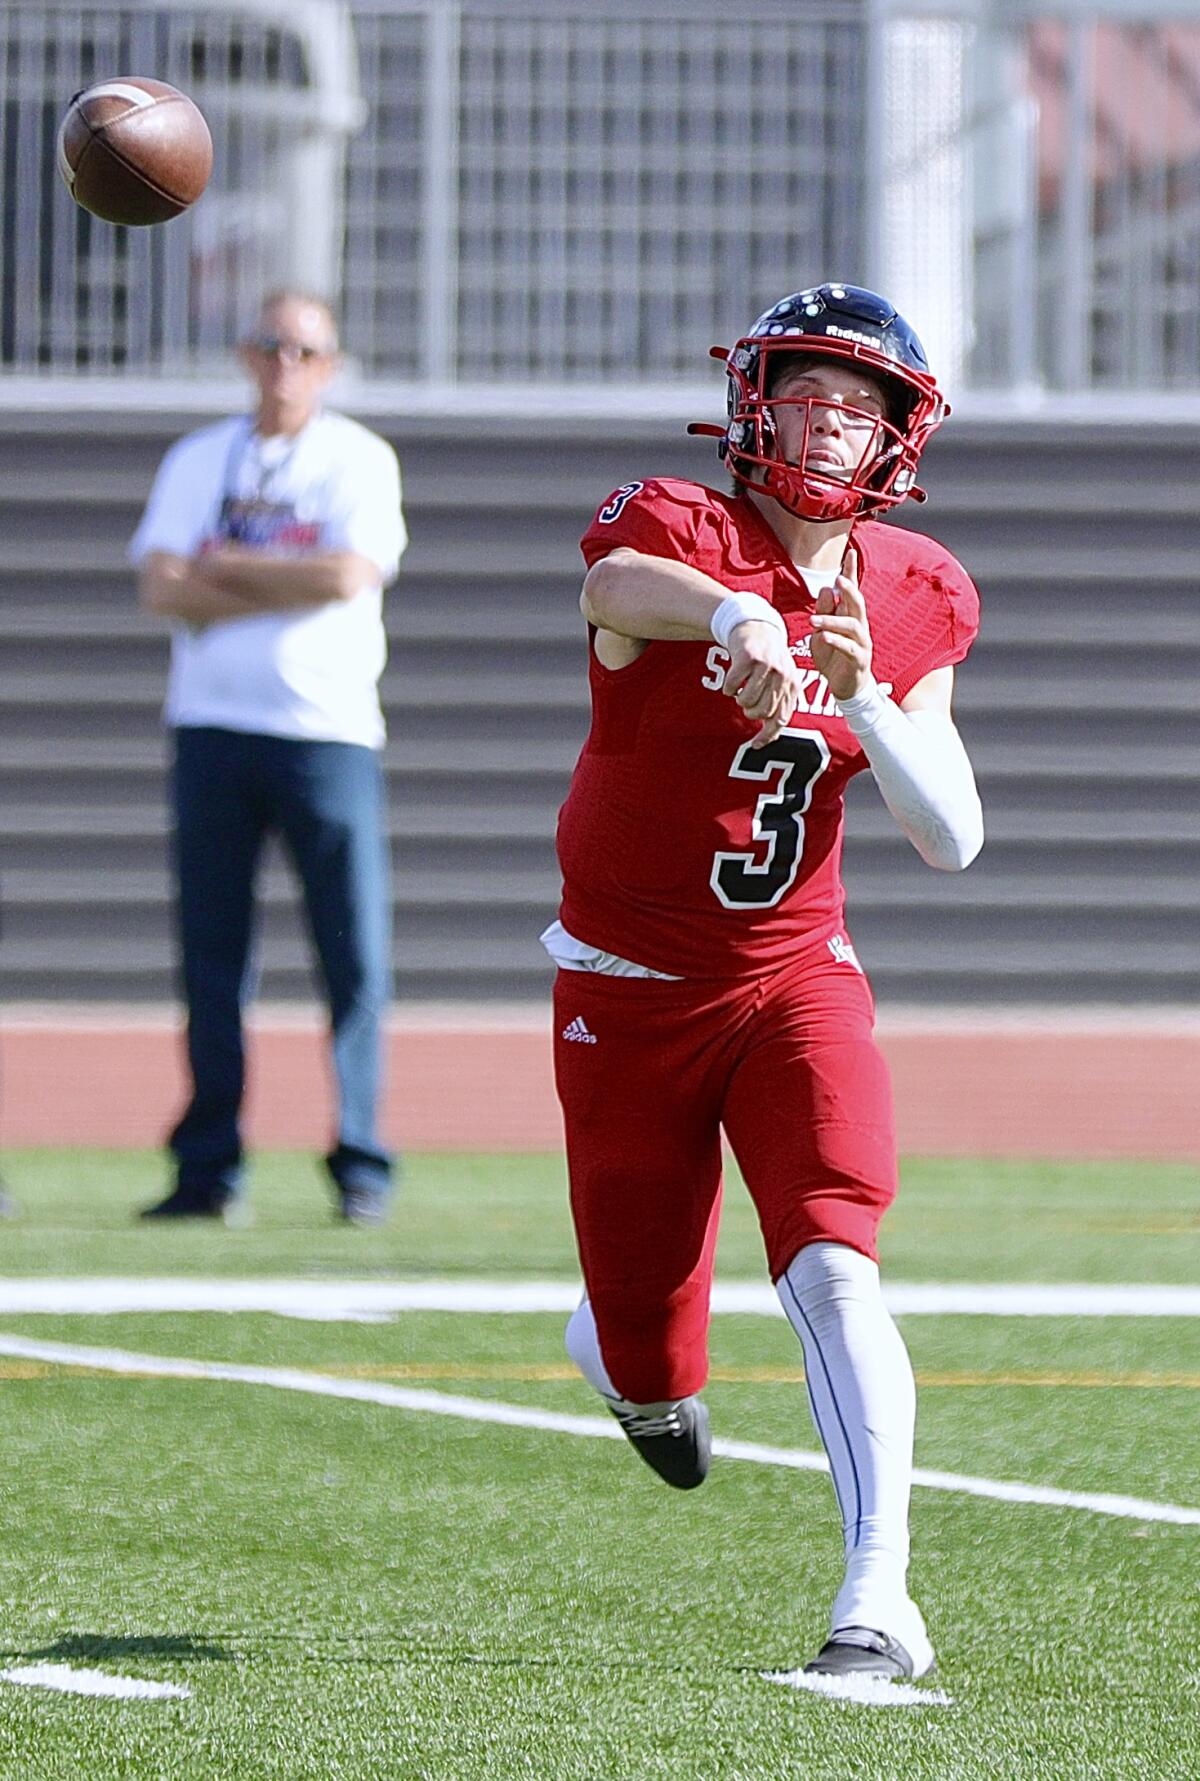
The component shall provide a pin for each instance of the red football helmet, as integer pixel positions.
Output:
(834, 321)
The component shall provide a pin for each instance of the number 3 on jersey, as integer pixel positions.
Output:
(741, 880)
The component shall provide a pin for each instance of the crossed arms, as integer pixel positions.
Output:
(234, 583)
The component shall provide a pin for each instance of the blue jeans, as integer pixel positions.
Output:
(326, 801)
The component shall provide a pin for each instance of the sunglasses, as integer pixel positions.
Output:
(272, 347)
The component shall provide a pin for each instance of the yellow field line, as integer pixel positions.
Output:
(1135, 1381)
(1144, 1227)
(514, 1373)
(774, 1375)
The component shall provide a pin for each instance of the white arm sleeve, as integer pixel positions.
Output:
(921, 767)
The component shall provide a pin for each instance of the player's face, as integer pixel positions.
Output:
(827, 417)
(292, 355)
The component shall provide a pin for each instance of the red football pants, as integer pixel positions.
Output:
(648, 1072)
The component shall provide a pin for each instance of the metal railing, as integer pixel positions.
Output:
(550, 195)
(567, 194)
(276, 80)
(542, 195)
(1040, 191)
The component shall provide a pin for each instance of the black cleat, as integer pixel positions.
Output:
(191, 1202)
(675, 1443)
(861, 1651)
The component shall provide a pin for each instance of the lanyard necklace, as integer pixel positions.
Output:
(244, 443)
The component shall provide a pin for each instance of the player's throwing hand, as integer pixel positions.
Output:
(841, 639)
(762, 677)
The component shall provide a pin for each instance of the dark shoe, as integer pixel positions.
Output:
(192, 1202)
(861, 1651)
(676, 1444)
(358, 1205)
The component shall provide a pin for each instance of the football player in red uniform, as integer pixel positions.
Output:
(750, 652)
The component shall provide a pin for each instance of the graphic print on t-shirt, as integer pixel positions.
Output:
(256, 524)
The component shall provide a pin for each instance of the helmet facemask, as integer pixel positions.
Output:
(884, 471)
(849, 327)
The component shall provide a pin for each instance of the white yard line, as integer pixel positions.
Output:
(436, 1403)
(345, 1301)
(863, 1691)
(65, 1680)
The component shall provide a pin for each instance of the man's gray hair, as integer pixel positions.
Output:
(293, 294)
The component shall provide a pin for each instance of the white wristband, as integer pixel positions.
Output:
(739, 609)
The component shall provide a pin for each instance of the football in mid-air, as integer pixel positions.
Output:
(134, 151)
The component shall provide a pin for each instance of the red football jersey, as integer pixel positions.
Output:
(682, 847)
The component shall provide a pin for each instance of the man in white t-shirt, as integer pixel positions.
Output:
(266, 542)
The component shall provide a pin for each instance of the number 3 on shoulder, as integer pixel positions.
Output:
(615, 505)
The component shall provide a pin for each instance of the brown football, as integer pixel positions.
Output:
(134, 151)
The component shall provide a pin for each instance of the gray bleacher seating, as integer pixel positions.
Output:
(1079, 706)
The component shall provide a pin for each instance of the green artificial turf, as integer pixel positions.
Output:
(354, 1591)
(506, 1216)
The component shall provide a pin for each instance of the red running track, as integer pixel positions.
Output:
(1049, 1085)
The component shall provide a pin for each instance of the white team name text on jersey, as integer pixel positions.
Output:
(816, 700)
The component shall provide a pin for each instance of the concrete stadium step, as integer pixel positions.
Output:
(116, 664)
(512, 944)
(1078, 705)
(487, 757)
(469, 850)
(485, 704)
(474, 983)
(1023, 618)
(953, 479)
(125, 889)
(1159, 961)
(1078, 566)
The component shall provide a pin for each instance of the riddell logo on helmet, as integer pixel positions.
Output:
(851, 334)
